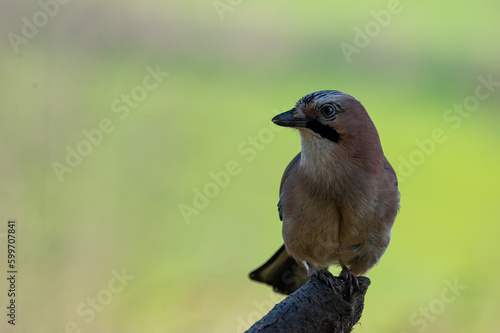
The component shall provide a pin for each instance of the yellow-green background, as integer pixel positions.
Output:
(120, 207)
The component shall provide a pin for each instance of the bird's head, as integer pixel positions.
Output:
(333, 126)
(328, 114)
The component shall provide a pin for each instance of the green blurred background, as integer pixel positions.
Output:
(231, 66)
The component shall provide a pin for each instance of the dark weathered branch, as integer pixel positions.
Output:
(317, 307)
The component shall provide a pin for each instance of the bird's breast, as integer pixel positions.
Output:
(318, 225)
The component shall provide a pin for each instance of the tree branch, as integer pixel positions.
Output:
(321, 305)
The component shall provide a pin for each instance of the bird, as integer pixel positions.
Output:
(338, 196)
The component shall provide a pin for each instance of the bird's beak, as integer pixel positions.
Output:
(286, 119)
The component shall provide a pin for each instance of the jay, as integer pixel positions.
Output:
(338, 197)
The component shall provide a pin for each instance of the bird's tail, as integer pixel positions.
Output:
(281, 272)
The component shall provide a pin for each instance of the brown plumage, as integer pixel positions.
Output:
(338, 196)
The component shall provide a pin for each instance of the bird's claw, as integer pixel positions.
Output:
(351, 280)
(324, 276)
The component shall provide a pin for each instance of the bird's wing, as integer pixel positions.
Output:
(293, 164)
(389, 170)
(280, 212)
(282, 271)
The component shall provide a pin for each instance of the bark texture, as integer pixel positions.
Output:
(324, 304)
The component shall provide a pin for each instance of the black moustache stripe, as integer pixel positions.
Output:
(324, 131)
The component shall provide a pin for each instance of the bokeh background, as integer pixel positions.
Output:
(231, 66)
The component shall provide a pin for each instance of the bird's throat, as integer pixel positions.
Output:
(317, 156)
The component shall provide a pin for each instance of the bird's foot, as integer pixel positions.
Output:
(351, 281)
(324, 276)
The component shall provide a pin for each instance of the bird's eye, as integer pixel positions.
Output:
(327, 110)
